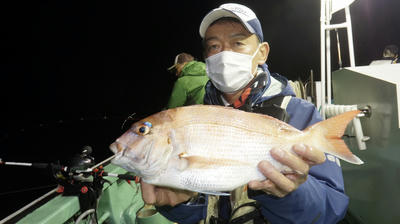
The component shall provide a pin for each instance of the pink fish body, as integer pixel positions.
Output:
(214, 148)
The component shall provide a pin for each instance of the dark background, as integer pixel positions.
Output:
(71, 72)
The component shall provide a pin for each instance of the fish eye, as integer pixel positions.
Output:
(143, 130)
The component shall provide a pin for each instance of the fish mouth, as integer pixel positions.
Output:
(114, 148)
(117, 147)
(122, 150)
(119, 150)
(139, 160)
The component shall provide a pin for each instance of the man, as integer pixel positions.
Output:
(192, 77)
(235, 57)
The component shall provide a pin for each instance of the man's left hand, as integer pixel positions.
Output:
(279, 184)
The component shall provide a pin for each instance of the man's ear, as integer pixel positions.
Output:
(262, 54)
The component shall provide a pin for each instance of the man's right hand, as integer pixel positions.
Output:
(161, 196)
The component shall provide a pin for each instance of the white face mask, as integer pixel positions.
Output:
(230, 71)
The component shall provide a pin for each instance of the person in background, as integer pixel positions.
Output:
(391, 52)
(390, 55)
(192, 77)
(236, 54)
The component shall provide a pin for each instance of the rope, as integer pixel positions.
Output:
(83, 215)
(28, 206)
(298, 89)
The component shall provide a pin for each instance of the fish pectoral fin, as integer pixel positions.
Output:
(202, 162)
(183, 155)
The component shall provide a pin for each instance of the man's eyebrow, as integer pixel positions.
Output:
(233, 36)
(240, 35)
(210, 38)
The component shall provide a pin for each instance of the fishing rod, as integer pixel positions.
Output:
(82, 164)
(82, 177)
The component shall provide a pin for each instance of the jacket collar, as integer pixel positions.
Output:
(258, 92)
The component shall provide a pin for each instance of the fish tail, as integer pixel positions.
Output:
(333, 129)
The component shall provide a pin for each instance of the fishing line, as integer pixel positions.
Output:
(130, 117)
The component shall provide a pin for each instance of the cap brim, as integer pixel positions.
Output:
(212, 16)
(172, 67)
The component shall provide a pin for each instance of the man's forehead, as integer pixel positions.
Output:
(227, 29)
(228, 23)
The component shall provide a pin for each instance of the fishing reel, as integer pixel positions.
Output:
(78, 178)
(78, 170)
(82, 177)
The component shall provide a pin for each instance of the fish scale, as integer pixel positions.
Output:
(232, 144)
(228, 177)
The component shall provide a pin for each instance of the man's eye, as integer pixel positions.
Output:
(239, 43)
(213, 47)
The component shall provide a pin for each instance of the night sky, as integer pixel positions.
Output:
(71, 72)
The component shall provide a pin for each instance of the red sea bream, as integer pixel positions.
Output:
(215, 149)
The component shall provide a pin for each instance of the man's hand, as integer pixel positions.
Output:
(160, 196)
(279, 184)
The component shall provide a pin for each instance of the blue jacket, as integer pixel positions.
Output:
(321, 199)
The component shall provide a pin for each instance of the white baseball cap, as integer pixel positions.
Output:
(181, 58)
(240, 12)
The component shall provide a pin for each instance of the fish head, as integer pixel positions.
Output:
(144, 149)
